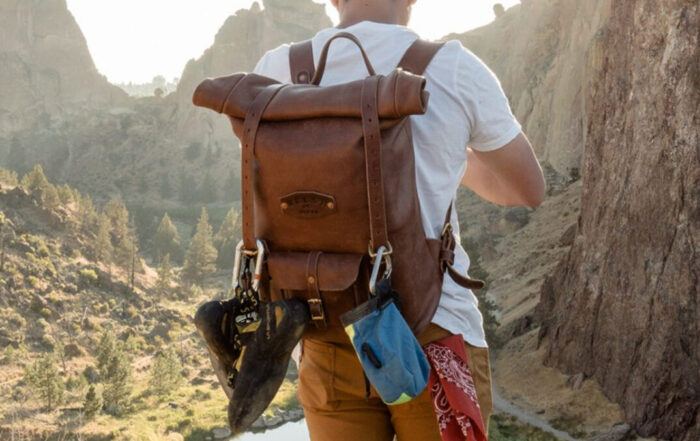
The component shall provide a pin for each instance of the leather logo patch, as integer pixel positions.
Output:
(308, 204)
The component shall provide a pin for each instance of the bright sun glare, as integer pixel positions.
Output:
(135, 40)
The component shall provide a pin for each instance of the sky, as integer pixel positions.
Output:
(135, 40)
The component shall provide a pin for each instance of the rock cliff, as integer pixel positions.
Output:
(539, 50)
(622, 307)
(45, 63)
(238, 45)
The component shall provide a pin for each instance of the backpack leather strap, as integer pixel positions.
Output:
(447, 256)
(419, 55)
(415, 60)
(301, 62)
(250, 131)
(373, 165)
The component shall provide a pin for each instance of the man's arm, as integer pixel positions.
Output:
(510, 175)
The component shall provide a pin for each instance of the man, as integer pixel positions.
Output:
(467, 108)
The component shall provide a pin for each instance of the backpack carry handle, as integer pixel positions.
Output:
(324, 55)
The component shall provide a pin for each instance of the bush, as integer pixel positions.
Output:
(32, 281)
(88, 276)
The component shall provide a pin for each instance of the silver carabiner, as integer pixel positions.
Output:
(241, 259)
(381, 255)
(235, 278)
(257, 276)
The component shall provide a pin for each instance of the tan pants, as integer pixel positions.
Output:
(332, 392)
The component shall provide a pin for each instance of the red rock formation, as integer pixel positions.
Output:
(623, 306)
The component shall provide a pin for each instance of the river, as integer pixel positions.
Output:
(287, 432)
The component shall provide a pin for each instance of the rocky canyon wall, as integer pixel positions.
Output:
(622, 307)
(539, 50)
(239, 44)
(45, 64)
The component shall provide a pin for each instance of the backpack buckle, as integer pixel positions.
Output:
(316, 310)
(242, 260)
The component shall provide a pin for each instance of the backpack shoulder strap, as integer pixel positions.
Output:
(301, 62)
(415, 60)
(419, 55)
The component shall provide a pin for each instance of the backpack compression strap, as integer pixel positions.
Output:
(415, 60)
(301, 62)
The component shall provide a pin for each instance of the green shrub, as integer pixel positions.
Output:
(54, 298)
(32, 281)
(88, 276)
(45, 312)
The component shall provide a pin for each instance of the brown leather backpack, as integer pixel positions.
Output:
(329, 193)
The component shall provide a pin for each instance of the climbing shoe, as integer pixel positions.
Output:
(264, 360)
(222, 325)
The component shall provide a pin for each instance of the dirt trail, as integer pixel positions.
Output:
(500, 404)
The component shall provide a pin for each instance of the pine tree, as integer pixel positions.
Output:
(164, 275)
(8, 177)
(65, 194)
(227, 238)
(166, 373)
(93, 403)
(119, 217)
(87, 213)
(35, 183)
(118, 382)
(50, 198)
(167, 240)
(115, 370)
(7, 235)
(45, 378)
(105, 351)
(103, 243)
(201, 255)
(125, 256)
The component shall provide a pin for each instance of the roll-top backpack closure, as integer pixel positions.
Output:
(399, 94)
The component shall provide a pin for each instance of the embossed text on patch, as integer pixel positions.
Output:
(308, 204)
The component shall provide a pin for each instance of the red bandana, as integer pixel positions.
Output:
(453, 392)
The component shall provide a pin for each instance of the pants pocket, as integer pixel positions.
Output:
(316, 375)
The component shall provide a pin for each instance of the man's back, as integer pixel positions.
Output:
(467, 107)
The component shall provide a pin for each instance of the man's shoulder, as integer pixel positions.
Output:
(275, 63)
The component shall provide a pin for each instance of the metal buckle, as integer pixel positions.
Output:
(316, 309)
(242, 260)
(446, 229)
(383, 255)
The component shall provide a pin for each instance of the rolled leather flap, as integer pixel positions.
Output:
(336, 272)
(400, 94)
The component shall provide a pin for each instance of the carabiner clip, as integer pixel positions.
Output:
(242, 259)
(381, 255)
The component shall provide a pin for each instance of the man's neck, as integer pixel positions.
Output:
(351, 19)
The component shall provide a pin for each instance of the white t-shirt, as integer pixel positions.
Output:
(467, 106)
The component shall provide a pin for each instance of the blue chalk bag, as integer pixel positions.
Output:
(391, 356)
